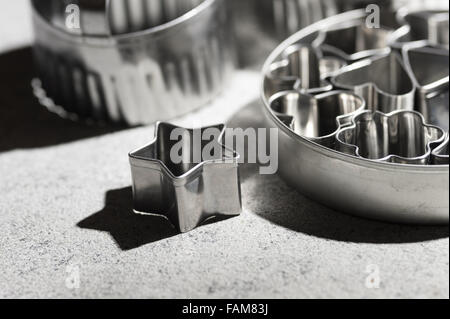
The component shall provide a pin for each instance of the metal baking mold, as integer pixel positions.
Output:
(440, 154)
(93, 19)
(413, 194)
(105, 17)
(400, 137)
(303, 68)
(293, 15)
(317, 117)
(128, 16)
(354, 41)
(141, 77)
(192, 191)
(382, 81)
(429, 70)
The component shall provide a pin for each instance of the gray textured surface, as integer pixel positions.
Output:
(65, 200)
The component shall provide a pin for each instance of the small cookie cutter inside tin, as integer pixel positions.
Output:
(400, 137)
(440, 155)
(317, 117)
(382, 81)
(429, 70)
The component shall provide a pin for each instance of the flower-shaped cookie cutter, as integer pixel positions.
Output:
(186, 180)
(302, 67)
(401, 137)
(317, 117)
(354, 40)
(382, 81)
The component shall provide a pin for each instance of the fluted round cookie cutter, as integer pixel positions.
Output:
(139, 77)
(416, 194)
(293, 15)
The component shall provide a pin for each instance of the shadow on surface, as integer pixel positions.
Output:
(128, 229)
(24, 123)
(131, 230)
(270, 198)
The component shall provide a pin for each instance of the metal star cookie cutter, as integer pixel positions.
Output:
(382, 81)
(428, 68)
(203, 184)
(317, 117)
(440, 155)
(401, 137)
(304, 68)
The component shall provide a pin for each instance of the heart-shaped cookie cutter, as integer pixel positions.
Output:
(382, 81)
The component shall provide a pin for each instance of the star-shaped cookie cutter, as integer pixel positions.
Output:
(183, 180)
(382, 81)
(400, 137)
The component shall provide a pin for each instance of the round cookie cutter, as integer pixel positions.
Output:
(414, 194)
(137, 77)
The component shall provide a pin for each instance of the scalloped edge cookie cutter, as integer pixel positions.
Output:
(186, 193)
(141, 77)
(368, 127)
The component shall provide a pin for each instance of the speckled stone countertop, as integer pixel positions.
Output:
(65, 206)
